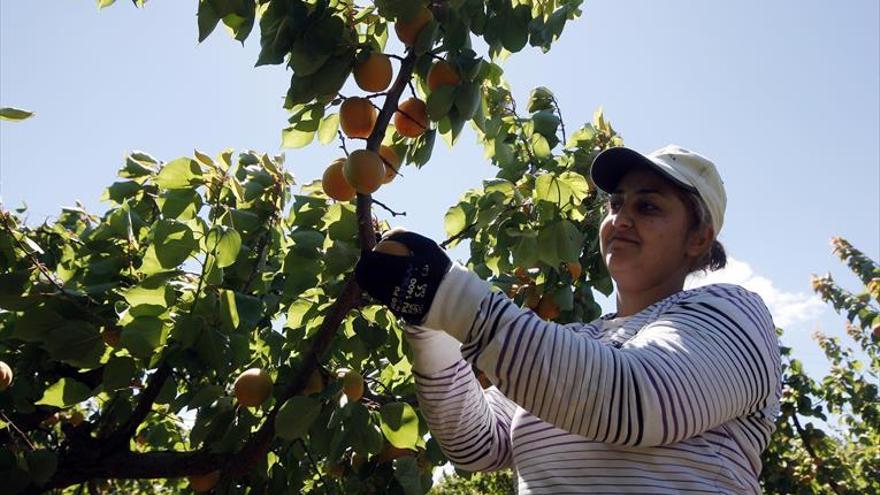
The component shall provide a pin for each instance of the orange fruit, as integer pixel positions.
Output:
(374, 73)
(392, 162)
(390, 452)
(364, 170)
(442, 73)
(388, 246)
(533, 297)
(357, 116)
(112, 336)
(5, 376)
(408, 30)
(75, 418)
(547, 308)
(575, 269)
(411, 119)
(334, 183)
(202, 483)
(353, 385)
(252, 387)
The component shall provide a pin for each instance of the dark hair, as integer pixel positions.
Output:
(715, 258)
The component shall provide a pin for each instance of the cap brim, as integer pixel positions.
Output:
(612, 164)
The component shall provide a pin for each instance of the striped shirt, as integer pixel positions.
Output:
(679, 398)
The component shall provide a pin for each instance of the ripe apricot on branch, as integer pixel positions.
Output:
(392, 162)
(442, 73)
(395, 248)
(353, 385)
(252, 387)
(374, 73)
(411, 118)
(5, 376)
(364, 170)
(334, 183)
(408, 30)
(574, 269)
(204, 482)
(547, 307)
(357, 116)
(112, 336)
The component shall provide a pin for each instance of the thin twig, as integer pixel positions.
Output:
(21, 433)
(561, 121)
(342, 142)
(389, 210)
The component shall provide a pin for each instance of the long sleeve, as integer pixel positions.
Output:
(472, 425)
(708, 357)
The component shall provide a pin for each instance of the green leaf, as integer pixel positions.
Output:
(228, 309)
(423, 147)
(118, 373)
(105, 3)
(455, 220)
(562, 190)
(15, 114)
(143, 335)
(207, 19)
(400, 425)
(540, 98)
(179, 204)
(150, 298)
(327, 128)
(406, 471)
(296, 416)
(65, 392)
(173, 242)
(362, 433)
(558, 242)
(76, 342)
(41, 465)
(439, 102)
(297, 136)
(182, 173)
(225, 243)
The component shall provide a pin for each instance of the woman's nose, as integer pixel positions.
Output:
(621, 219)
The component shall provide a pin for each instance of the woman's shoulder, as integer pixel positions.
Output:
(732, 299)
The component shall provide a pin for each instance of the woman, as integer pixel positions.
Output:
(674, 393)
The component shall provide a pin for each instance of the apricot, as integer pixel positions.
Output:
(442, 73)
(547, 308)
(392, 162)
(374, 73)
(334, 183)
(112, 336)
(202, 483)
(357, 116)
(574, 269)
(252, 387)
(5, 376)
(364, 171)
(408, 30)
(411, 118)
(353, 385)
(388, 246)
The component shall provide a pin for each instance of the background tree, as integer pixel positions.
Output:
(828, 435)
(207, 325)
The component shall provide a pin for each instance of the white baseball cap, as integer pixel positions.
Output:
(689, 170)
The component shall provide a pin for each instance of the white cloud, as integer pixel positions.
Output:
(788, 308)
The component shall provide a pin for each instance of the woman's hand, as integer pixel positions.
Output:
(406, 284)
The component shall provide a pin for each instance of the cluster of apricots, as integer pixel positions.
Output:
(364, 171)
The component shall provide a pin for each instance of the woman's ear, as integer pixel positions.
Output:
(699, 241)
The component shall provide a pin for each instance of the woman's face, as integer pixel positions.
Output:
(645, 239)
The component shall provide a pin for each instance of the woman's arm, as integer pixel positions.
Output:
(708, 359)
(471, 425)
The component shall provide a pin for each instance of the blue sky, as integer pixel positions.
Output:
(784, 96)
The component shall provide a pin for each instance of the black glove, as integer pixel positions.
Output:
(406, 284)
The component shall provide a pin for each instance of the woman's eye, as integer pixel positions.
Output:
(648, 207)
(614, 204)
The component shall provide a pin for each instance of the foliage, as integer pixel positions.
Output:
(126, 330)
(838, 450)
(494, 483)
